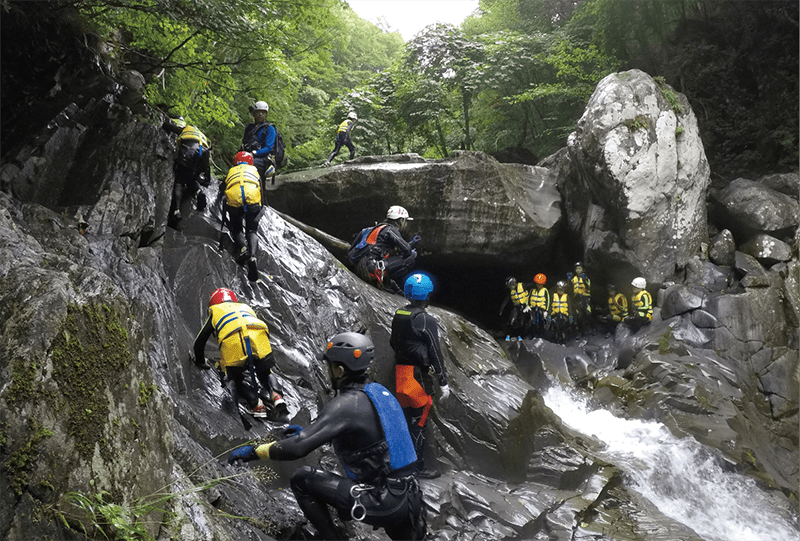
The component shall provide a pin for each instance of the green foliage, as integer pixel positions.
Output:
(663, 342)
(638, 123)
(23, 378)
(21, 460)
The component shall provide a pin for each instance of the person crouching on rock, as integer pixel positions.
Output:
(244, 349)
(366, 427)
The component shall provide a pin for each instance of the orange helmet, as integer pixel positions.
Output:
(243, 157)
(540, 278)
(221, 295)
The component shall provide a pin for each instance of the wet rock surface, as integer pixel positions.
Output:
(101, 396)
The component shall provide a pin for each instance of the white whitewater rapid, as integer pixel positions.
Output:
(681, 477)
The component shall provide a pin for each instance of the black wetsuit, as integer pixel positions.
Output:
(390, 499)
(391, 250)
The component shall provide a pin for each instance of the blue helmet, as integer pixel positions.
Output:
(418, 286)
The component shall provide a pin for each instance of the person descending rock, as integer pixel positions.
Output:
(381, 254)
(417, 354)
(560, 313)
(244, 349)
(259, 140)
(343, 137)
(617, 308)
(518, 315)
(539, 301)
(242, 203)
(581, 297)
(366, 427)
(191, 167)
(641, 305)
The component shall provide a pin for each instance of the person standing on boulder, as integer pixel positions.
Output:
(191, 167)
(417, 354)
(243, 203)
(560, 313)
(518, 297)
(641, 305)
(539, 301)
(259, 140)
(365, 425)
(244, 349)
(343, 137)
(581, 297)
(617, 308)
(381, 254)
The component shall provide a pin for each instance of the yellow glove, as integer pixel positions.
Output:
(263, 450)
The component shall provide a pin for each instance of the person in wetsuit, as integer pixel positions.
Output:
(366, 427)
(415, 341)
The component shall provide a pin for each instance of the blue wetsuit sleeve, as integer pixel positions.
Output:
(267, 138)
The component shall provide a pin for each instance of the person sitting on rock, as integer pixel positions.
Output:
(539, 301)
(581, 297)
(641, 305)
(561, 313)
(244, 349)
(367, 430)
(243, 204)
(191, 167)
(517, 317)
(617, 308)
(381, 254)
(343, 137)
(415, 341)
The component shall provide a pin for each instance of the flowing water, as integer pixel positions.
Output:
(681, 477)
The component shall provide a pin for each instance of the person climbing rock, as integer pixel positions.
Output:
(244, 350)
(242, 210)
(365, 425)
(517, 298)
(641, 305)
(380, 254)
(343, 137)
(539, 301)
(581, 298)
(259, 140)
(561, 313)
(417, 356)
(191, 167)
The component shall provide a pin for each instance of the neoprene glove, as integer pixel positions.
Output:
(292, 430)
(415, 240)
(245, 453)
(414, 254)
(445, 391)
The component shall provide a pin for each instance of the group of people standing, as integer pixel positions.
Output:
(379, 437)
(244, 202)
(537, 312)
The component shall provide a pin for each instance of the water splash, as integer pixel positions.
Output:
(684, 479)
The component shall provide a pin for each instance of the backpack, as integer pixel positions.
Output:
(279, 150)
(364, 244)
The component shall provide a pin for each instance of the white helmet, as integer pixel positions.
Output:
(639, 282)
(397, 212)
(260, 106)
(352, 115)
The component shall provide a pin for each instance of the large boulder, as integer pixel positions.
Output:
(634, 192)
(469, 208)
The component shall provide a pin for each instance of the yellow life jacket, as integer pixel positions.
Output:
(519, 296)
(239, 333)
(618, 306)
(540, 298)
(560, 304)
(190, 133)
(580, 285)
(643, 303)
(343, 126)
(242, 186)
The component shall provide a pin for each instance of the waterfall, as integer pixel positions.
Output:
(681, 477)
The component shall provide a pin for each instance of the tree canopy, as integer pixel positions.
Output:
(512, 80)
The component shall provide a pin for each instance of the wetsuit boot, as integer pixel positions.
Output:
(252, 263)
(418, 438)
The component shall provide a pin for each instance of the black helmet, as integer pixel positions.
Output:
(352, 350)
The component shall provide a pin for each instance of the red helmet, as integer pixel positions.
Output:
(243, 157)
(221, 295)
(540, 278)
